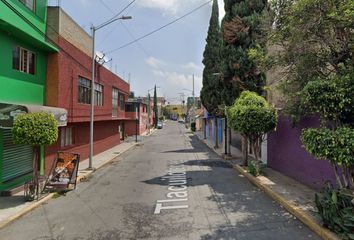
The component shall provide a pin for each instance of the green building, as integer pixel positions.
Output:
(24, 49)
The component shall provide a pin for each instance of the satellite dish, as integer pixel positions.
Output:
(101, 58)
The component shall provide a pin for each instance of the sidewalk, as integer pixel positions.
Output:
(236, 154)
(15, 206)
(297, 198)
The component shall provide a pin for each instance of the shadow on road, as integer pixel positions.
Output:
(247, 212)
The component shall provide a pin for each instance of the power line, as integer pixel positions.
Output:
(115, 16)
(44, 34)
(160, 28)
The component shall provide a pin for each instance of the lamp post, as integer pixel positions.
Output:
(93, 31)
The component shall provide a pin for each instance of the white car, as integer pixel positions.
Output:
(159, 125)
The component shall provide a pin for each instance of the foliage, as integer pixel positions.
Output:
(255, 168)
(336, 146)
(241, 31)
(336, 208)
(193, 128)
(315, 40)
(35, 129)
(252, 116)
(156, 117)
(333, 100)
(211, 91)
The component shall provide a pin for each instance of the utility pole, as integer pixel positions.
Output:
(193, 120)
(92, 108)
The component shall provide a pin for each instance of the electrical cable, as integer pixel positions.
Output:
(160, 28)
(115, 16)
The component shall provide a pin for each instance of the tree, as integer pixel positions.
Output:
(334, 140)
(35, 129)
(210, 94)
(211, 91)
(316, 40)
(156, 117)
(253, 117)
(241, 31)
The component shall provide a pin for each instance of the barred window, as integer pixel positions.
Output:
(66, 136)
(115, 102)
(121, 102)
(84, 93)
(29, 3)
(98, 95)
(23, 60)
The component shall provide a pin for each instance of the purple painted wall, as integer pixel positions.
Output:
(286, 155)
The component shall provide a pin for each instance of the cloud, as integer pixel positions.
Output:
(192, 66)
(170, 7)
(154, 62)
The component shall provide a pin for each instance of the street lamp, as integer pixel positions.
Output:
(93, 31)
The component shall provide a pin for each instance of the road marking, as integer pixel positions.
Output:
(177, 188)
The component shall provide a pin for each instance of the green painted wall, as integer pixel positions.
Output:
(16, 86)
(19, 26)
(31, 26)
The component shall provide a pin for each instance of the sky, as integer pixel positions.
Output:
(168, 58)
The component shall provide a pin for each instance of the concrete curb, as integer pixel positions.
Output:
(324, 233)
(36, 204)
(300, 214)
(25, 210)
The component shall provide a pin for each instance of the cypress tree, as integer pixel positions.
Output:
(241, 31)
(212, 86)
(155, 108)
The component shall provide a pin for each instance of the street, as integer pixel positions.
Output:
(170, 186)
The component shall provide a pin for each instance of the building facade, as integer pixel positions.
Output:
(69, 86)
(136, 111)
(24, 50)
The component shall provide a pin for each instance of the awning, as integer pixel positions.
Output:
(9, 111)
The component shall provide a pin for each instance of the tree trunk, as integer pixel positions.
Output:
(35, 169)
(245, 151)
(229, 139)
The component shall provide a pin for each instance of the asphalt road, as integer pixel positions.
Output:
(171, 186)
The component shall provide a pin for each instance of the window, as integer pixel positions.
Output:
(84, 94)
(130, 107)
(121, 102)
(66, 136)
(115, 102)
(23, 60)
(98, 95)
(29, 3)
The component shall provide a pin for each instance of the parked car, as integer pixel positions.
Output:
(181, 120)
(159, 125)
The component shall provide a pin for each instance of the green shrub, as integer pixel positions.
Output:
(336, 208)
(193, 128)
(35, 129)
(335, 146)
(332, 99)
(252, 116)
(254, 168)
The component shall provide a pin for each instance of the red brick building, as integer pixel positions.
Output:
(136, 111)
(69, 84)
